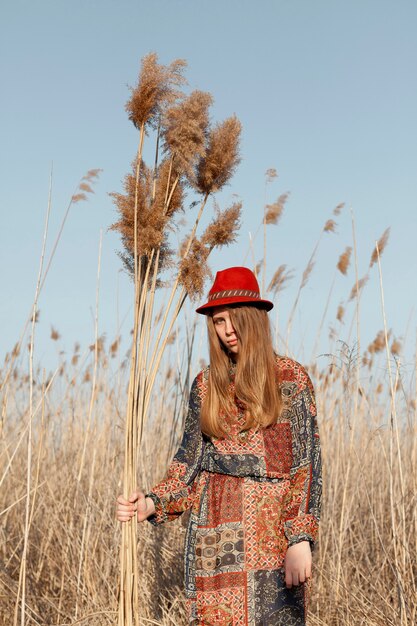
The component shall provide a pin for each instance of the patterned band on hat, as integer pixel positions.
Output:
(234, 293)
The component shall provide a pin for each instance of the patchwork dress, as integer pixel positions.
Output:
(251, 496)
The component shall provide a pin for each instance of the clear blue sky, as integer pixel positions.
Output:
(327, 94)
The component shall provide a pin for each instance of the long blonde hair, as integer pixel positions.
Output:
(256, 377)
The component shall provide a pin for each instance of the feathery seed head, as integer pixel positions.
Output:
(337, 210)
(395, 347)
(223, 229)
(100, 345)
(378, 343)
(156, 89)
(274, 211)
(151, 220)
(193, 269)
(280, 277)
(185, 131)
(77, 197)
(306, 274)
(92, 175)
(344, 261)
(86, 187)
(382, 243)
(357, 287)
(221, 158)
(114, 347)
(330, 226)
(340, 313)
(171, 339)
(55, 334)
(271, 174)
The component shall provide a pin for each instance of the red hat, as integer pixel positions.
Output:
(235, 285)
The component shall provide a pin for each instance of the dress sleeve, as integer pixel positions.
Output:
(174, 494)
(302, 512)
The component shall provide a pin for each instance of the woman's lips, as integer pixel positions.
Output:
(232, 342)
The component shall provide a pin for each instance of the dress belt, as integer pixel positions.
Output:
(240, 465)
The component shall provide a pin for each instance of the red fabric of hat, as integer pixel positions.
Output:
(234, 285)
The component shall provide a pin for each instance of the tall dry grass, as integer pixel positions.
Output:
(365, 563)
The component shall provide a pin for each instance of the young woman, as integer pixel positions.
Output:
(248, 467)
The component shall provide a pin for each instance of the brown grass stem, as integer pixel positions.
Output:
(22, 575)
(323, 318)
(402, 540)
(304, 279)
(86, 443)
(95, 365)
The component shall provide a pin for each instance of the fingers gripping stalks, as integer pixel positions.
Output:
(136, 503)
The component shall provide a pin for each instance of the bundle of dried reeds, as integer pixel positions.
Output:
(189, 153)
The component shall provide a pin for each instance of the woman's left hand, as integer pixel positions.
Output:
(297, 563)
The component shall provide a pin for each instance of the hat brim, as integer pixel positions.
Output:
(261, 304)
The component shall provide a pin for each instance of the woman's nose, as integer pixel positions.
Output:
(229, 328)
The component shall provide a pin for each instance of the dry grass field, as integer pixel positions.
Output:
(365, 562)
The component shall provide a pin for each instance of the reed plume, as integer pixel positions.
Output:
(85, 187)
(223, 229)
(279, 279)
(380, 246)
(270, 174)
(344, 261)
(395, 347)
(221, 157)
(78, 197)
(378, 344)
(340, 313)
(306, 274)
(338, 209)
(55, 334)
(151, 211)
(358, 286)
(274, 211)
(157, 87)
(330, 226)
(194, 270)
(186, 127)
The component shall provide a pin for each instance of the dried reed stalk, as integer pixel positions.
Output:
(399, 534)
(22, 575)
(88, 429)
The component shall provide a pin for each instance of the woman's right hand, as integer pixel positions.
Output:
(135, 503)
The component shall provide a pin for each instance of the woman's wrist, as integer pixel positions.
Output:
(150, 506)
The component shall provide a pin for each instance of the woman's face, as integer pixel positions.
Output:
(225, 331)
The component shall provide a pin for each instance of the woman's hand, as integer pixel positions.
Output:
(297, 563)
(136, 503)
